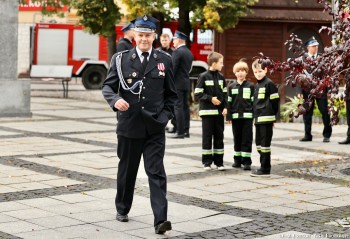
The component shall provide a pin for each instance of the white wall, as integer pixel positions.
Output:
(23, 47)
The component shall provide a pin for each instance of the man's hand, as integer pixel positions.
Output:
(121, 105)
(224, 112)
(300, 96)
(215, 101)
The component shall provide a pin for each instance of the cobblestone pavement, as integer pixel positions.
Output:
(58, 170)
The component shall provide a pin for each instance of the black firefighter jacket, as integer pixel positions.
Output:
(210, 84)
(150, 111)
(266, 101)
(240, 100)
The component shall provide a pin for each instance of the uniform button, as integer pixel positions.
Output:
(144, 88)
(144, 77)
(143, 97)
(142, 107)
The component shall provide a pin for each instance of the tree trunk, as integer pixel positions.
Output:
(112, 46)
(184, 17)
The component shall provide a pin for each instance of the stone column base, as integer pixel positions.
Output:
(15, 98)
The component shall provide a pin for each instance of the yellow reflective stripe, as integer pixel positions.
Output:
(209, 82)
(246, 93)
(208, 112)
(266, 118)
(229, 98)
(237, 153)
(224, 90)
(248, 115)
(247, 155)
(262, 90)
(261, 96)
(274, 96)
(234, 91)
(198, 90)
(235, 116)
(218, 151)
(207, 151)
(265, 149)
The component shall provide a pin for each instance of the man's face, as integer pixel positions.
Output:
(165, 41)
(144, 40)
(129, 34)
(312, 50)
(176, 42)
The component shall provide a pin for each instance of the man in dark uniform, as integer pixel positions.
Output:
(347, 102)
(312, 48)
(182, 61)
(126, 42)
(140, 88)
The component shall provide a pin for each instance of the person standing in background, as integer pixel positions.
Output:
(182, 61)
(126, 42)
(312, 52)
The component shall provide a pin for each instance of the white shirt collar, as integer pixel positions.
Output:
(139, 53)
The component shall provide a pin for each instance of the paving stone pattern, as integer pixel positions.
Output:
(58, 171)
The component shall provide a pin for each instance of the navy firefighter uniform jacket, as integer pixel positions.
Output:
(152, 100)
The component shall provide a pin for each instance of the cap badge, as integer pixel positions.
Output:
(145, 18)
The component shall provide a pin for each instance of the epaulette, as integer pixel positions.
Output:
(121, 52)
(165, 53)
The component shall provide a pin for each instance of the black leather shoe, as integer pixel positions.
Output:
(306, 138)
(246, 167)
(176, 136)
(347, 141)
(236, 165)
(171, 131)
(326, 140)
(122, 218)
(161, 228)
(187, 135)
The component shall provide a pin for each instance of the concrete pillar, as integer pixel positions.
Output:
(14, 94)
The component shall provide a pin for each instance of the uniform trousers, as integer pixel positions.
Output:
(263, 137)
(242, 130)
(129, 152)
(182, 112)
(213, 140)
(348, 117)
(307, 117)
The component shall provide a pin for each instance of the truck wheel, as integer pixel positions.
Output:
(93, 77)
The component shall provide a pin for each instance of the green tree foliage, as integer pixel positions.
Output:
(221, 14)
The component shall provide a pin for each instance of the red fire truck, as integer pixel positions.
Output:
(68, 44)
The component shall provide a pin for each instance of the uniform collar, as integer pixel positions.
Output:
(180, 45)
(139, 53)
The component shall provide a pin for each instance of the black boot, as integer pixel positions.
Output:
(347, 141)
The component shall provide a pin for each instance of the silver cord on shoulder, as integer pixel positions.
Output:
(122, 80)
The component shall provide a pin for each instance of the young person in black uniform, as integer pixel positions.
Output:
(265, 109)
(165, 43)
(126, 42)
(240, 95)
(312, 48)
(140, 88)
(182, 61)
(211, 92)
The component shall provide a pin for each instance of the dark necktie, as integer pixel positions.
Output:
(145, 60)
